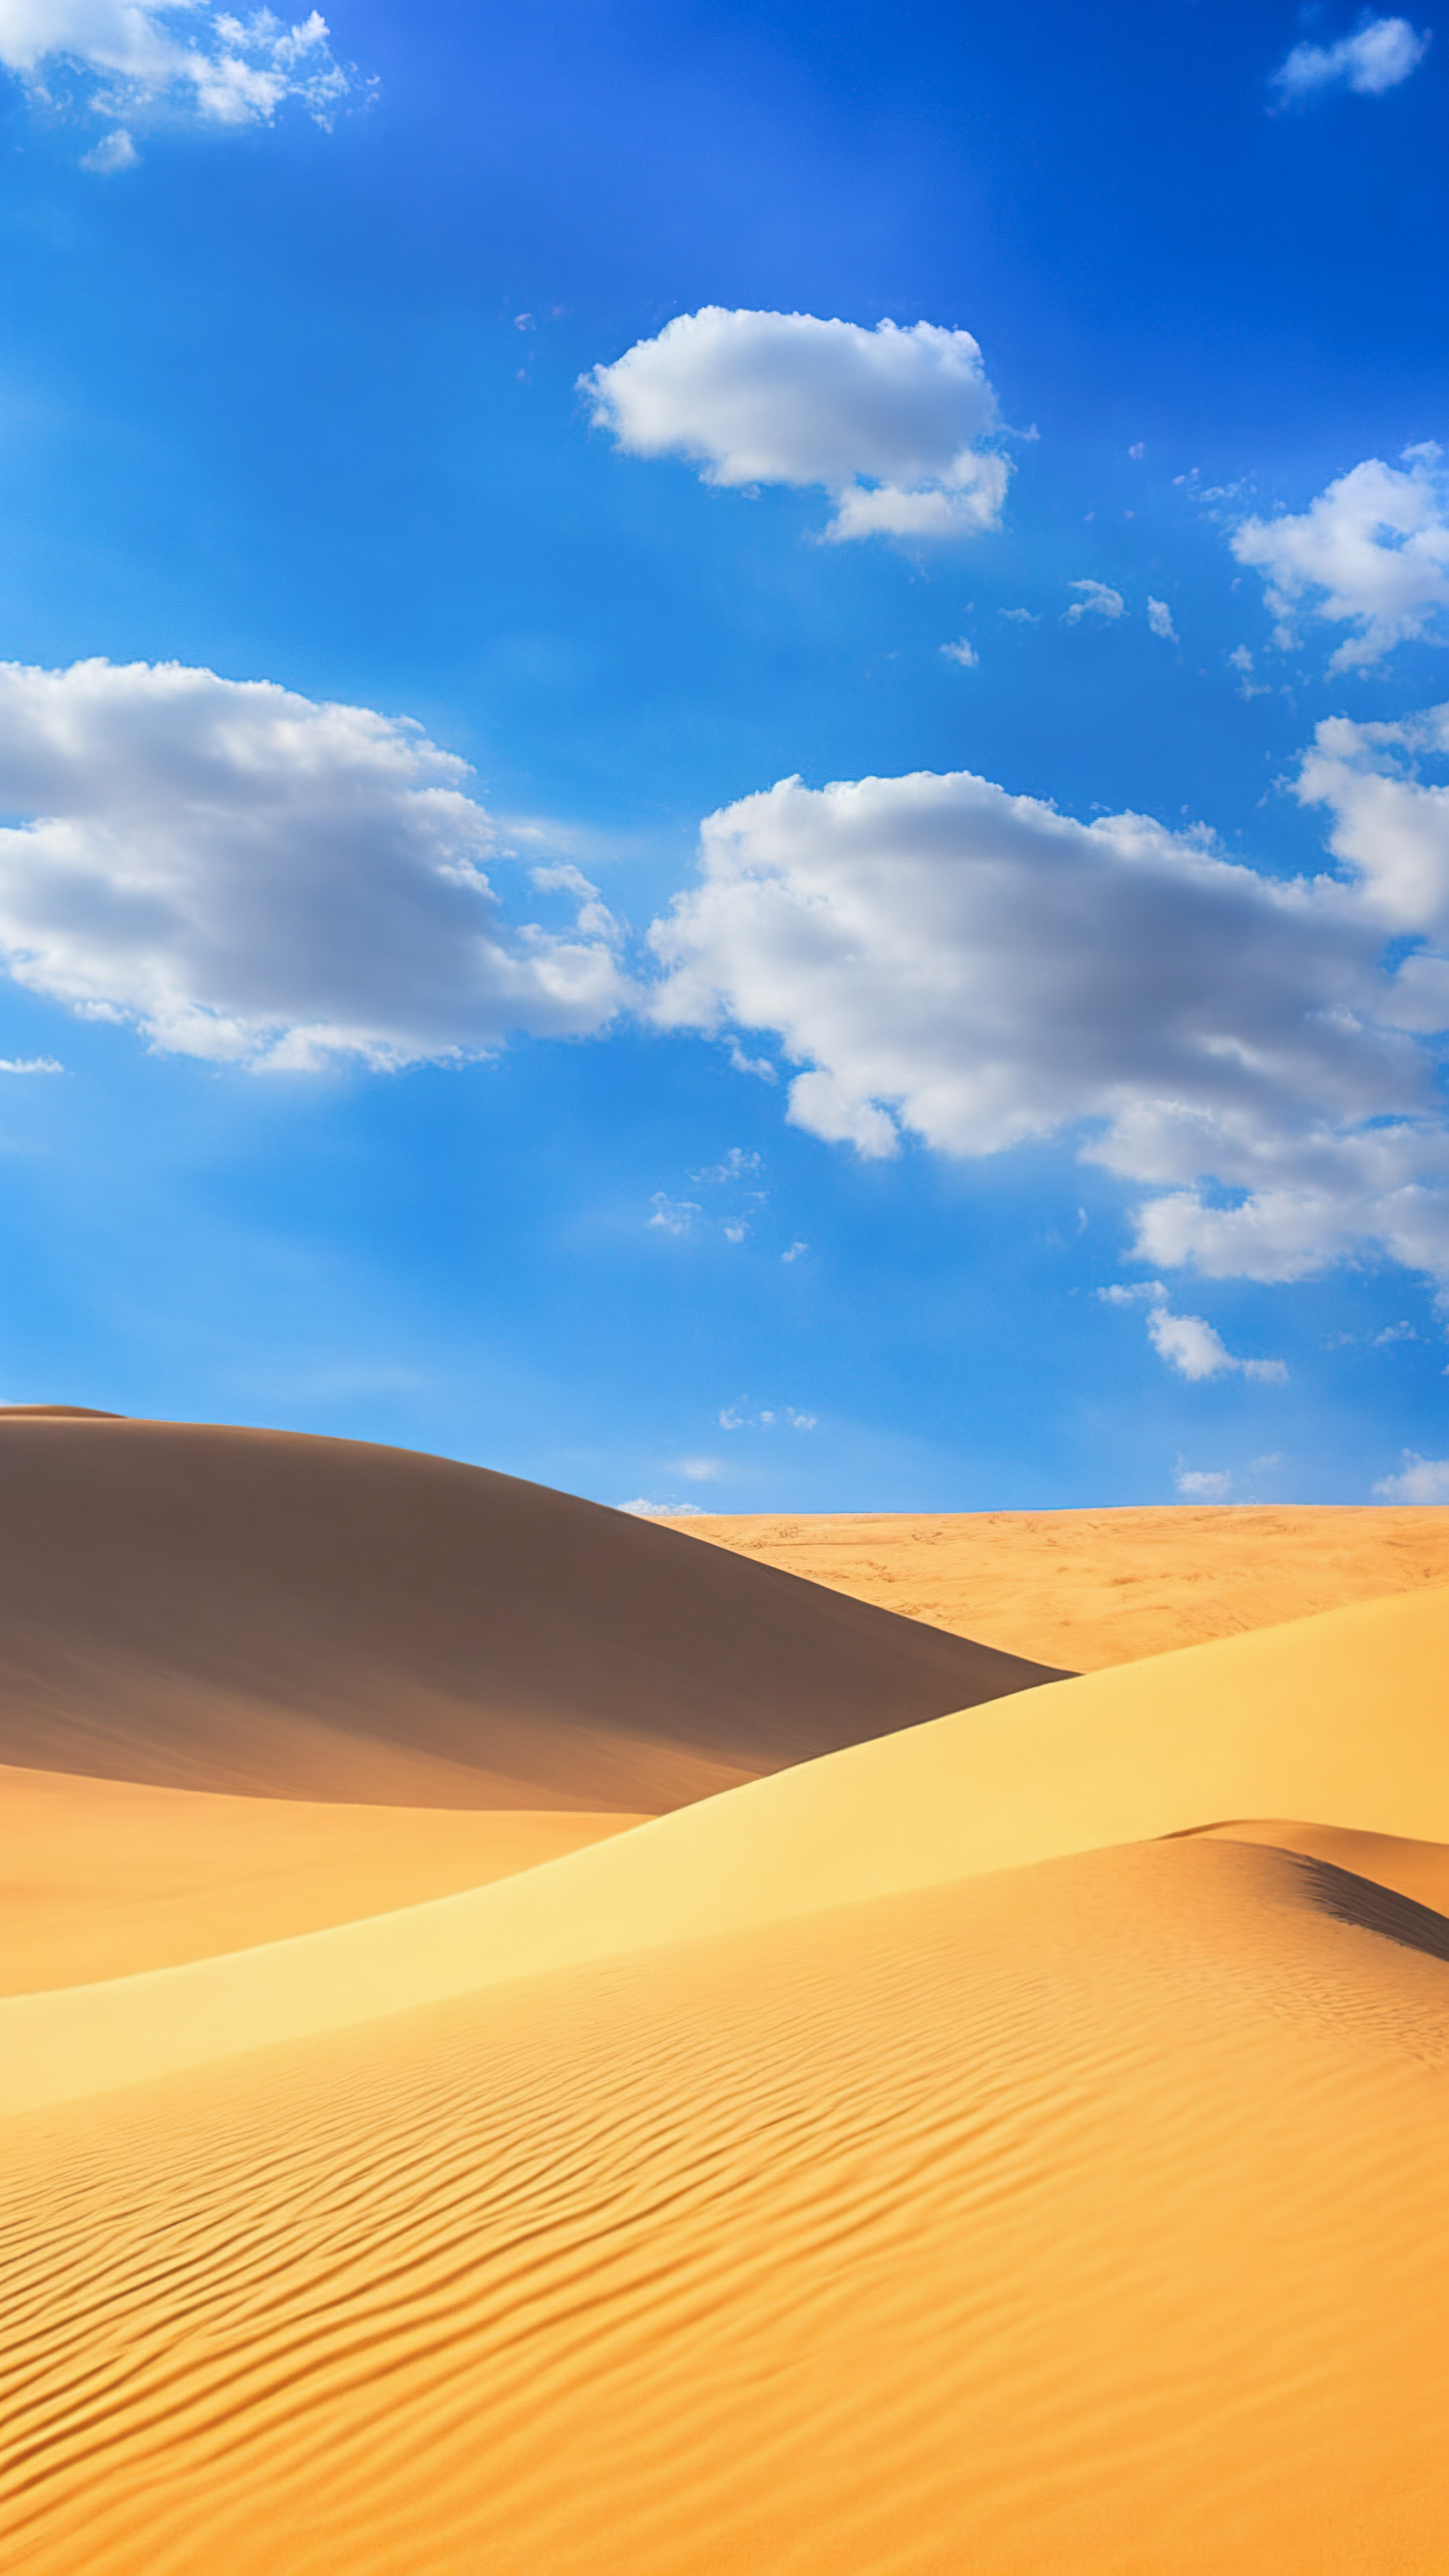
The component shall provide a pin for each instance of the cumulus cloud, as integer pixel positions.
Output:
(1422, 1480)
(124, 57)
(1159, 618)
(1188, 1343)
(30, 1064)
(948, 962)
(962, 651)
(1098, 599)
(646, 1511)
(262, 880)
(1377, 57)
(890, 422)
(1371, 553)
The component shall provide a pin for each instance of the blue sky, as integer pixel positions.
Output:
(404, 1035)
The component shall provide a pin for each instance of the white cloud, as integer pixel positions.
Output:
(963, 652)
(887, 421)
(115, 151)
(1202, 1484)
(1196, 1351)
(793, 1252)
(1022, 616)
(1371, 553)
(700, 1471)
(949, 962)
(30, 1064)
(1396, 1333)
(263, 880)
(673, 1216)
(1098, 599)
(737, 1166)
(127, 56)
(1423, 1480)
(1144, 1292)
(774, 1417)
(1377, 57)
(1159, 618)
(647, 1511)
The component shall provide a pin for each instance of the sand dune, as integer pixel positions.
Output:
(1087, 2218)
(1008, 2142)
(101, 1878)
(1089, 1589)
(1338, 1720)
(256, 1613)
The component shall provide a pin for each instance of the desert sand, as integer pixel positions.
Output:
(1008, 2141)
(1091, 1589)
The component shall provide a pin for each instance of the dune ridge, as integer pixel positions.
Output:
(264, 1614)
(1265, 1725)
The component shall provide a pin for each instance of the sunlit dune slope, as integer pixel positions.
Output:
(1086, 2219)
(101, 1878)
(261, 1613)
(1091, 1588)
(1338, 1720)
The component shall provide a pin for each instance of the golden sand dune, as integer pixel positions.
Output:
(101, 1878)
(1087, 2218)
(1338, 1720)
(1012, 2143)
(257, 1613)
(1088, 1589)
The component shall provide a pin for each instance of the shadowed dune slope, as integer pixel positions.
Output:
(1092, 1588)
(1085, 2220)
(102, 1878)
(266, 1614)
(1339, 1719)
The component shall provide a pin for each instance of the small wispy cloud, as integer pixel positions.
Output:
(1098, 599)
(1159, 618)
(784, 1417)
(736, 1166)
(673, 1216)
(794, 1252)
(1396, 1333)
(1022, 616)
(644, 1510)
(1377, 57)
(1202, 1484)
(115, 151)
(30, 1064)
(962, 651)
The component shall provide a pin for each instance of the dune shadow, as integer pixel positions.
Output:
(1373, 1908)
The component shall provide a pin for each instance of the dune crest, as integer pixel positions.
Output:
(264, 1614)
(1338, 1718)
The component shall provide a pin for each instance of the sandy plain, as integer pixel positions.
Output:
(1004, 2135)
(1093, 1588)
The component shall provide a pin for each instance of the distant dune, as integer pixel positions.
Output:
(287, 1617)
(1010, 2142)
(1088, 1589)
